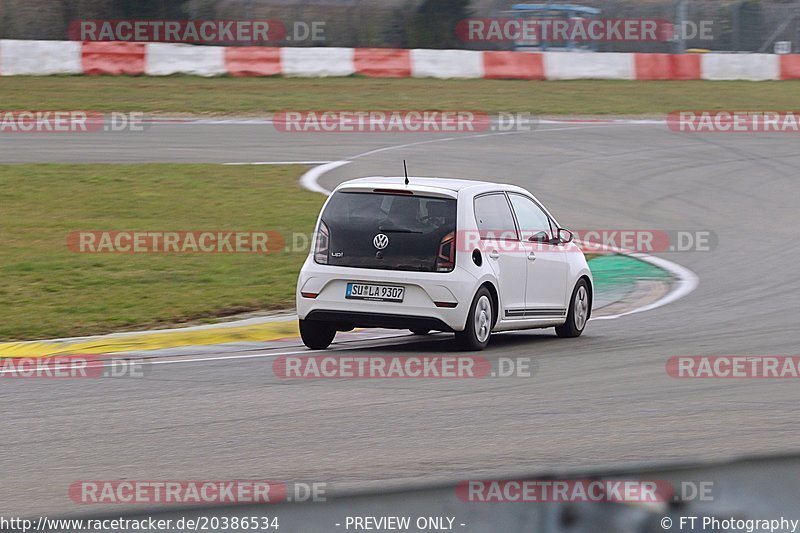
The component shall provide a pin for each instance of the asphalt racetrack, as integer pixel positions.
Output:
(600, 400)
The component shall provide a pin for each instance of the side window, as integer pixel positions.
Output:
(494, 217)
(534, 225)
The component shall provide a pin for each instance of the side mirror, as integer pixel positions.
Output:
(542, 236)
(565, 235)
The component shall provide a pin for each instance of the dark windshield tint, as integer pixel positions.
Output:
(414, 228)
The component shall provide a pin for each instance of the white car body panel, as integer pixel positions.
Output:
(529, 292)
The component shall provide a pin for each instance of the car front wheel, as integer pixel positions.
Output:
(316, 334)
(479, 324)
(578, 315)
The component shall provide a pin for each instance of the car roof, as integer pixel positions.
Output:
(449, 184)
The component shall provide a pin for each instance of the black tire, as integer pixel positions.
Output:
(572, 327)
(472, 338)
(316, 334)
(420, 331)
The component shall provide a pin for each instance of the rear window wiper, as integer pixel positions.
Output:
(397, 230)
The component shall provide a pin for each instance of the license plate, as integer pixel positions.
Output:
(375, 293)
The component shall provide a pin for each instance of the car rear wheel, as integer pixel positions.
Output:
(578, 315)
(316, 334)
(479, 323)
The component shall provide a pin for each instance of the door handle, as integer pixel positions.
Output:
(494, 254)
(531, 256)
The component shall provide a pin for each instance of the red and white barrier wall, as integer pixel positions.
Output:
(161, 59)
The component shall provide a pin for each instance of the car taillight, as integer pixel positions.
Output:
(446, 258)
(322, 245)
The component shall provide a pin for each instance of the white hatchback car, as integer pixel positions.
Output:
(469, 257)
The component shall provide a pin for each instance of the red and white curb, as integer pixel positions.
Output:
(40, 58)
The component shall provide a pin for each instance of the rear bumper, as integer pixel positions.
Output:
(422, 292)
(347, 319)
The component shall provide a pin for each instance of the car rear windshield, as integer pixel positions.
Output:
(391, 231)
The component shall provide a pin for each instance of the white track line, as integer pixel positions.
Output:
(279, 163)
(684, 282)
(309, 180)
(143, 361)
(240, 121)
(275, 352)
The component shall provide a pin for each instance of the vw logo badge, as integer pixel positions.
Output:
(380, 241)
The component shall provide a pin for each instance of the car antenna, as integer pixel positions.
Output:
(405, 171)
